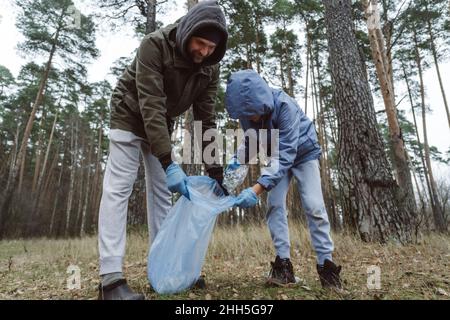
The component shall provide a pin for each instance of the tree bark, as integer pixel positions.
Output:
(384, 74)
(150, 25)
(372, 204)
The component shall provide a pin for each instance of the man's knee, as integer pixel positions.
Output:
(118, 189)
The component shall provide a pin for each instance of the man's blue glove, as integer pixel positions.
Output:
(176, 180)
(246, 199)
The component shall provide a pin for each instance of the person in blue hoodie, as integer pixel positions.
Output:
(249, 99)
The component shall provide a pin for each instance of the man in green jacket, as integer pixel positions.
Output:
(175, 67)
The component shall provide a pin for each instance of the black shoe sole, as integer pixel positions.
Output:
(276, 283)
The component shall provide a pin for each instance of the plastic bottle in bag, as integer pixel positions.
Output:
(234, 178)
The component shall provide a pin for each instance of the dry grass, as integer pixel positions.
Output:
(235, 267)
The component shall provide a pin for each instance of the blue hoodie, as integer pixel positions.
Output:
(248, 95)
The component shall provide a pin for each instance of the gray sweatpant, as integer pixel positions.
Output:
(120, 174)
(310, 189)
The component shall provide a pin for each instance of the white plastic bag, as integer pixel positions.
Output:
(178, 252)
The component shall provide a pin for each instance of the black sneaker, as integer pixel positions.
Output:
(329, 275)
(282, 273)
(118, 290)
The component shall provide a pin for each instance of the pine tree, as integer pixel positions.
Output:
(49, 29)
(371, 202)
(383, 63)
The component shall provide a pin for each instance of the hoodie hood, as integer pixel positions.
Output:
(203, 14)
(248, 95)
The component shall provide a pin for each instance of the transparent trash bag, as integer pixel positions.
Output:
(234, 178)
(178, 252)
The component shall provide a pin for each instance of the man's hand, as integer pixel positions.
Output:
(176, 180)
(247, 199)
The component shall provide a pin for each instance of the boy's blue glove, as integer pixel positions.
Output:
(176, 180)
(246, 199)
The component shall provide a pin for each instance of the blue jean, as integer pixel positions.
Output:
(309, 187)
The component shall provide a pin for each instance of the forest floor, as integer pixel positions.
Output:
(236, 267)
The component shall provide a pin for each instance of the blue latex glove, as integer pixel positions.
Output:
(233, 164)
(176, 180)
(247, 198)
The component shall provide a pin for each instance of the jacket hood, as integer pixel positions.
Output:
(248, 95)
(203, 14)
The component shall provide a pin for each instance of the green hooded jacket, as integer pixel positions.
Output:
(162, 82)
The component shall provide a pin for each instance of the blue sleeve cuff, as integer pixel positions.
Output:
(266, 182)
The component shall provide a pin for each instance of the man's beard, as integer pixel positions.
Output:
(197, 58)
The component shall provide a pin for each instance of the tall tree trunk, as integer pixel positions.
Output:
(42, 173)
(416, 129)
(371, 202)
(387, 31)
(73, 166)
(45, 186)
(438, 213)
(314, 100)
(21, 174)
(257, 42)
(38, 156)
(438, 72)
(290, 79)
(14, 155)
(308, 49)
(384, 74)
(7, 195)
(80, 188)
(97, 176)
(56, 198)
(283, 81)
(87, 191)
(150, 24)
(326, 179)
